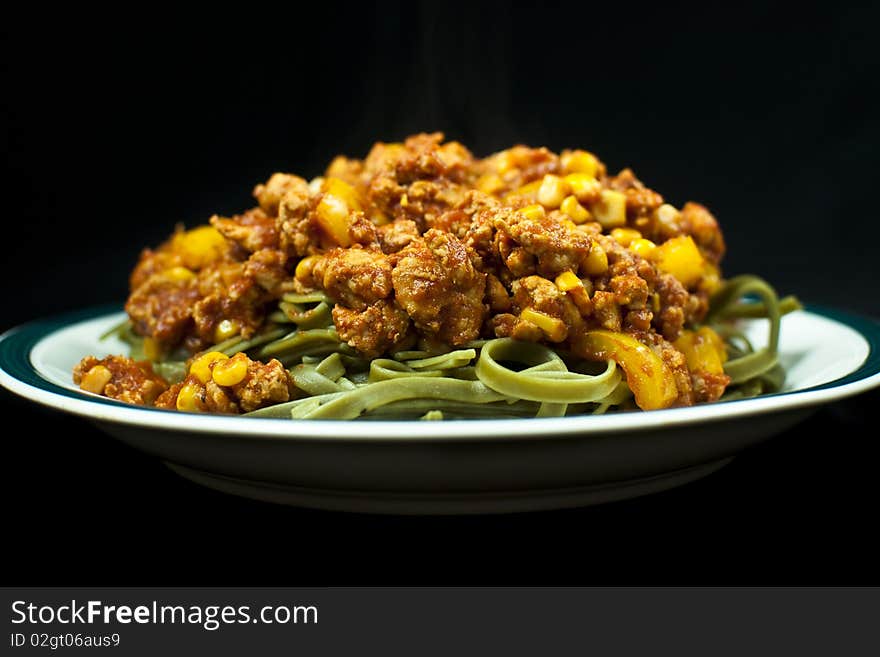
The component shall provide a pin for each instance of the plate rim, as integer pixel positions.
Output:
(18, 375)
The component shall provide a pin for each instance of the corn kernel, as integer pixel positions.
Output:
(668, 216)
(304, 268)
(625, 236)
(553, 328)
(529, 190)
(226, 329)
(95, 379)
(568, 281)
(568, 223)
(534, 212)
(200, 246)
(584, 186)
(188, 398)
(230, 372)
(596, 262)
(578, 213)
(642, 247)
(680, 257)
(552, 191)
(610, 209)
(152, 348)
(580, 162)
(201, 366)
(178, 274)
(315, 185)
(490, 183)
(504, 161)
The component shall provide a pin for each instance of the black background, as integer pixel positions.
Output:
(113, 133)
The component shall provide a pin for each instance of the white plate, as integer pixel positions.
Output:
(472, 466)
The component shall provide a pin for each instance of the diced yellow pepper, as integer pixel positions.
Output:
(578, 213)
(201, 366)
(610, 209)
(579, 161)
(553, 328)
(332, 216)
(625, 236)
(230, 372)
(568, 281)
(95, 379)
(341, 189)
(596, 262)
(703, 349)
(650, 380)
(152, 349)
(680, 257)
(200, 246)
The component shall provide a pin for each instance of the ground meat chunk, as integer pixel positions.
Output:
(437, 285)
(254, 230)
(374, 330)
(698, 222)
(355, 278)
(161, 307)
(551, 246)
(270, 193)
(640, 201)
(396, 235)
(121, 378)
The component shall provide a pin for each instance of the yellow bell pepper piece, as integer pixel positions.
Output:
(648, 377)
(703, 349)
(680, 257)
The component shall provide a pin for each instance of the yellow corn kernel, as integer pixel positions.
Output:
(584, 186)
(596, 262)
(178, 274)
(568, 223)
(152, 349)
(552, 191)
(553, 328)
(578, 213)
(341, 189)
(316, 185)
(625, 236)
(529, 190)
(610, 209)
(95, 379)
(201, 366)
(668, 216)
(704, 350)
(504, 161)
(200, 246)
(332, 216)
(226, 329)
(230, 372)
(304, 267)
(490, 183)
(680, 257)
(580, 162)
(188, 398)
(642, 247)
(568, 281)
(534, 212)
(404, 200)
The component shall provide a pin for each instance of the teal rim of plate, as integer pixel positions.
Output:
(17, 343)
